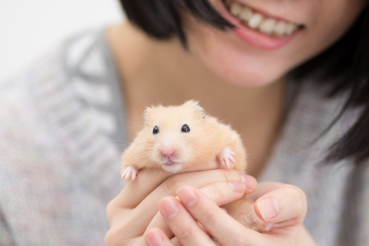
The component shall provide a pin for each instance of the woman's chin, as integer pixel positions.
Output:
(246, 76)
(239, 67)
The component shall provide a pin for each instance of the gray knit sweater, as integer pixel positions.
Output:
(62, 130)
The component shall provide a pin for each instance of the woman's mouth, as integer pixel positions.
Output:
(258, 28)
(257, 21)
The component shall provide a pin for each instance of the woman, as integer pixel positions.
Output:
(59, 160)
(240, 74)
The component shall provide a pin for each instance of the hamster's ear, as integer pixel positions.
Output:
(146, 114)
(196, 106)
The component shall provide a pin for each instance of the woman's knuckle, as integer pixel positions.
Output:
(207, 217)
(111, 238)
(110, 208)
(119, 233)
(228, 175)
(223, 175)
(216, 192)
(298, 198)
(239, 241)
(185, 234)
(172, 184)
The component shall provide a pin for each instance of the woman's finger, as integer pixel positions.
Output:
(219, 192)
(285, 203)
(142, 215)
(182, 224)
(263, 188)
(226, 192)
(225, 229)
(198, 180)
(147, 180)
(175, 241)
(155, 237)
(147, 209)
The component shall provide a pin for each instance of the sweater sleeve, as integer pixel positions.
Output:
(59, 161)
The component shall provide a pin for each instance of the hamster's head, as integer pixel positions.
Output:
(172, 131)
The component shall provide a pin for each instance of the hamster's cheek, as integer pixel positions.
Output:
(156, 154)
(236, 61)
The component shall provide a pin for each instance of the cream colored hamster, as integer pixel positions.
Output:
(183, 138)
(180, 139)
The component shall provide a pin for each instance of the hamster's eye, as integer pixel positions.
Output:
(185, 128)
(155, 130)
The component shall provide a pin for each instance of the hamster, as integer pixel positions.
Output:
(181, 139)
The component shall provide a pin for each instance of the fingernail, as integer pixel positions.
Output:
(237, 186)
(168, 208)
(153, 239)
(249, 181)
(187, 196)
(268, 226)
(268, 207)
(243, 179)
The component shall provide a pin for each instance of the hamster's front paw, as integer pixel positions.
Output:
(226, 158)
(129, 172)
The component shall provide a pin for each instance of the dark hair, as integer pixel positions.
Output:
(342, 68)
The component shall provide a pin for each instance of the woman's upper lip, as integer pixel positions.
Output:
(266, 13)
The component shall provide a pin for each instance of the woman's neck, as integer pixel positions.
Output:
(162, 72)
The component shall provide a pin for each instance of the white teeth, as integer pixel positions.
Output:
(246, 14)
(235, 9)
(267, 26)
(280, 28)
(291, 28)
(255, 21)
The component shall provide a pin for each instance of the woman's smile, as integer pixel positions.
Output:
(258, 28)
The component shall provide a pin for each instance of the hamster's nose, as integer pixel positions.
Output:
(168, 152)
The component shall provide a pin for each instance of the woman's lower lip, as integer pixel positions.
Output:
(254, 37)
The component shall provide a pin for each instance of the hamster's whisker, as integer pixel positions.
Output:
(200, 158)
(128, 124)
(121, 141)
(169, 98)
(144, 163)
(144, 154)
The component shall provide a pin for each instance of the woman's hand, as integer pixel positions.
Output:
(135, 208)
(283, 207)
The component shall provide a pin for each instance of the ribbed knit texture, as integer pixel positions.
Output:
(59, 160)
(62, 130)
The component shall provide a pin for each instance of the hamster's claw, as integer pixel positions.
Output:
(227, 158)
(129, 172)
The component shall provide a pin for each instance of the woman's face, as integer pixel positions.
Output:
(263, 54)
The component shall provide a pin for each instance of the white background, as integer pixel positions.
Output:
(29, 28)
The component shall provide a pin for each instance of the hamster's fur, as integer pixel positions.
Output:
(204, 143)
(183, 138)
